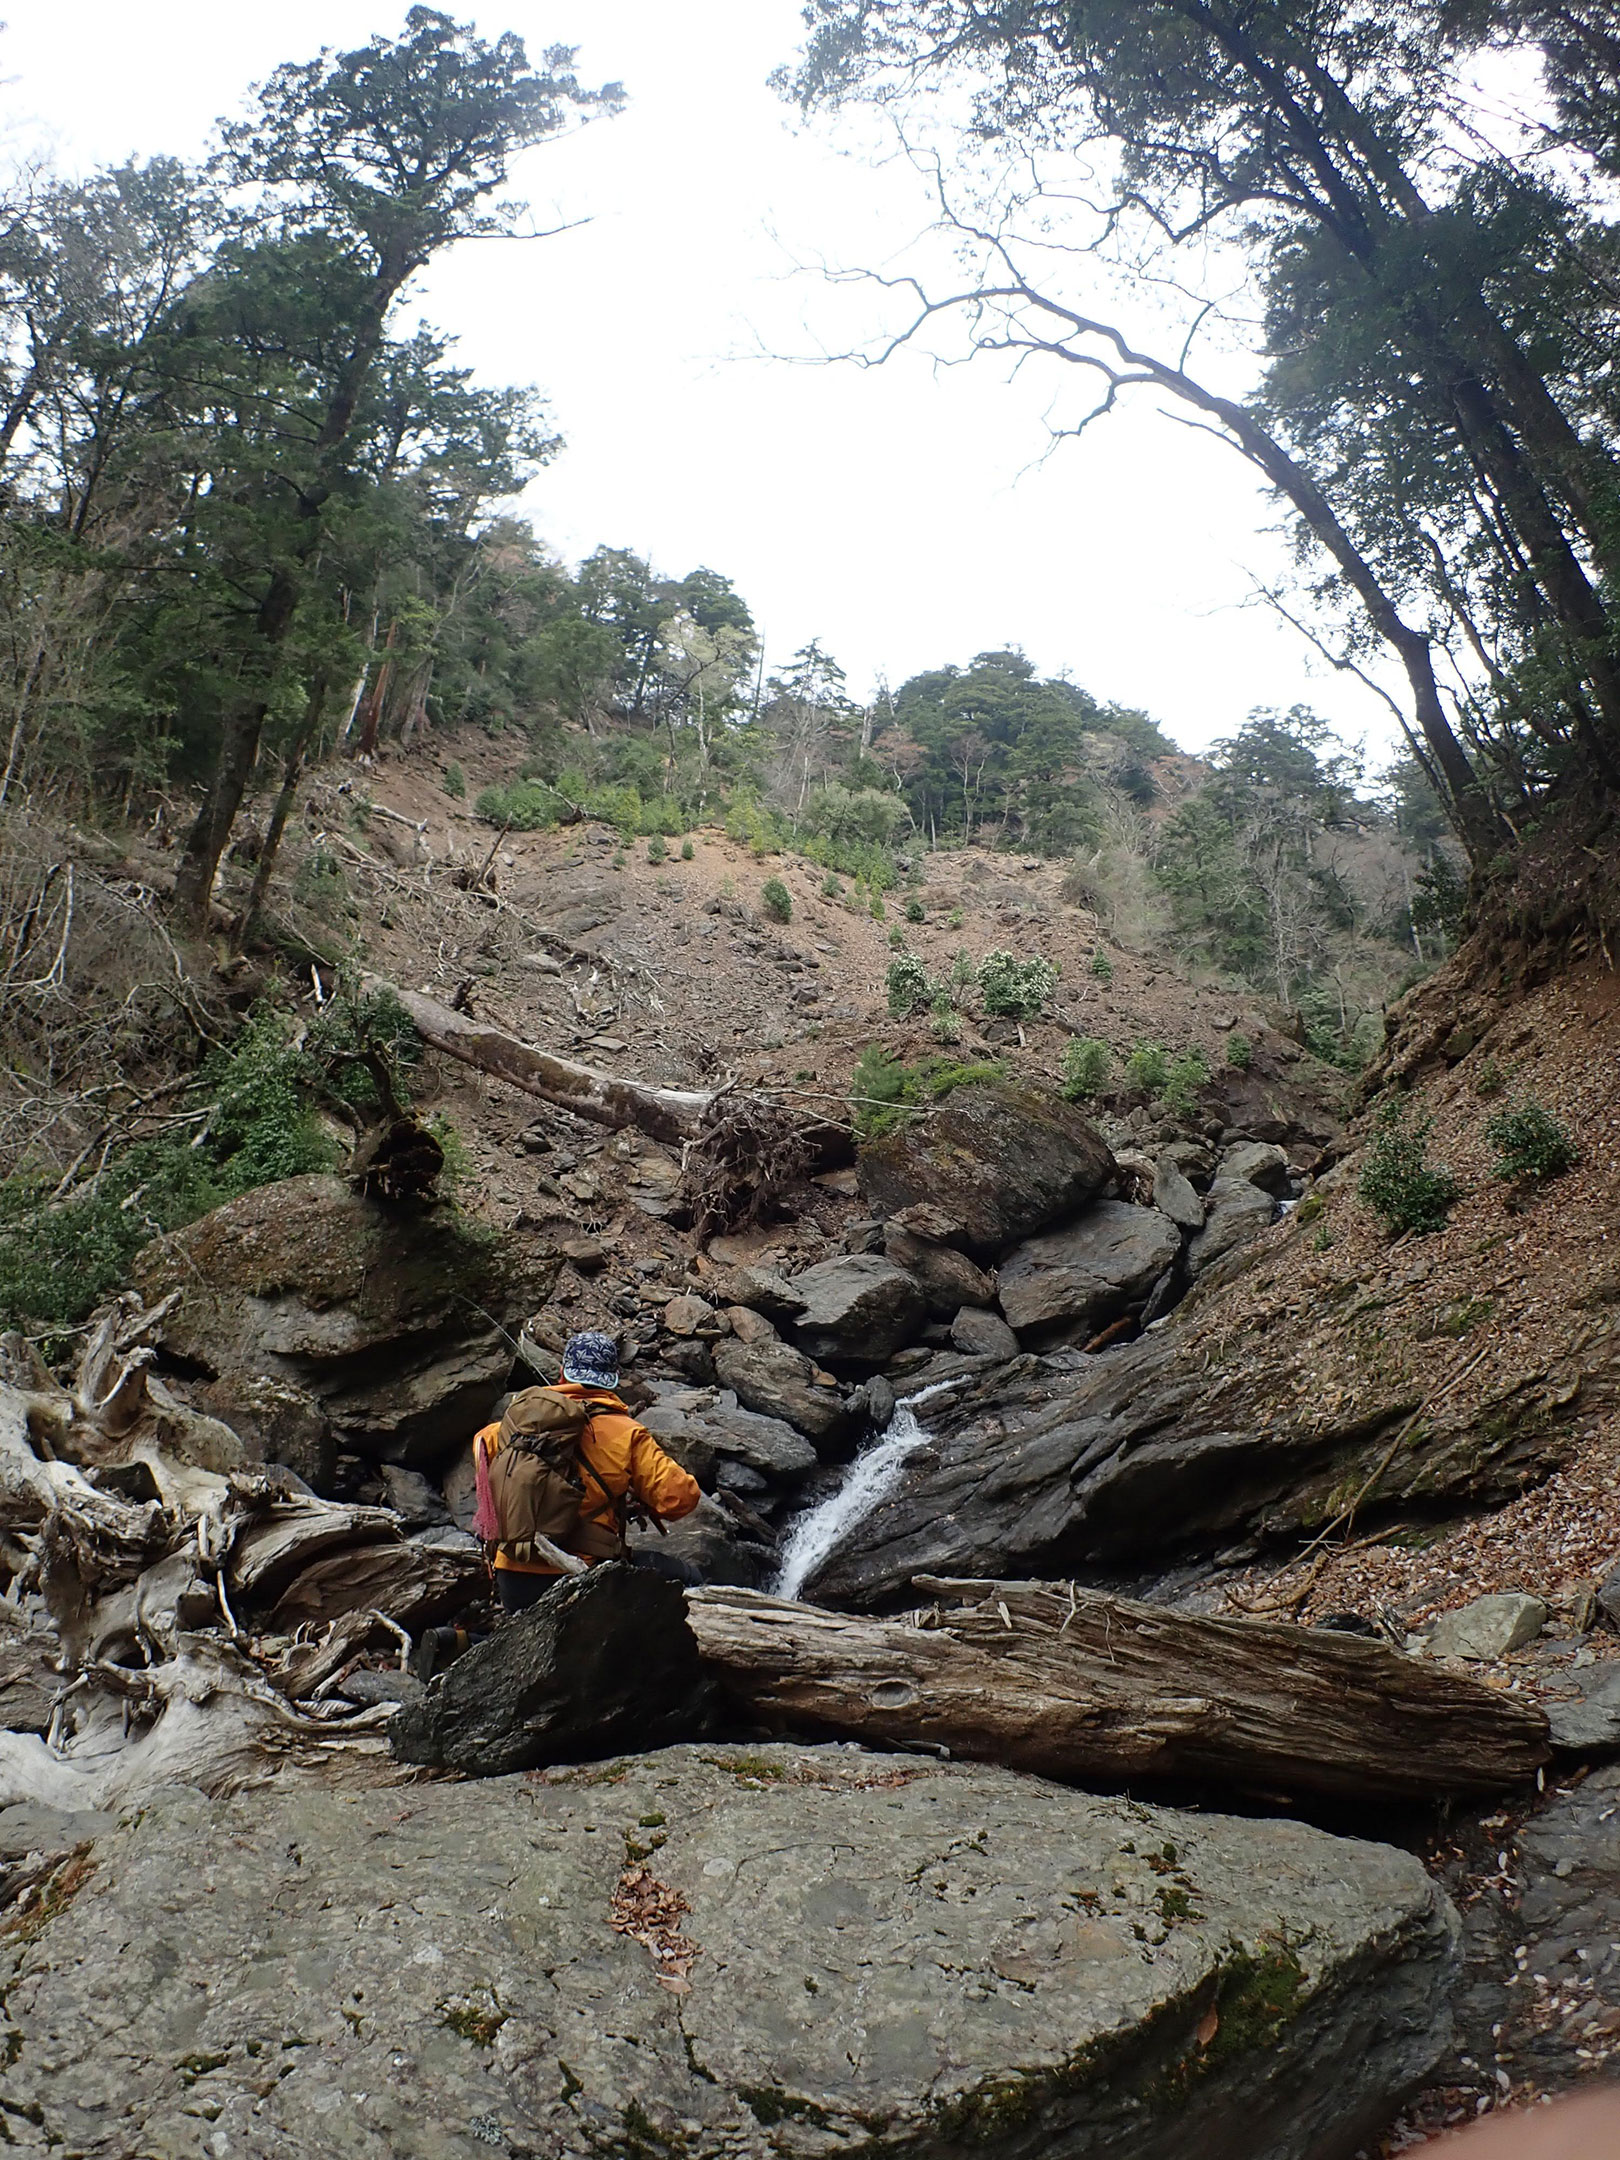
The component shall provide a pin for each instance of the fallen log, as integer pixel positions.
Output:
(672, 1114)
(1090, 1689)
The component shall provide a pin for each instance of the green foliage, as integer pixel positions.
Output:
(1398, 1182)
(897, 939)
(914, 910)
(521, 806)
(1102, 967)
(879, 912)
(687, 851)
(953, 920)
(455, 782)
(776, 900)
(1531, 1143)
(884, 1091)
(657, 849)
(1148, 1068)
(618, 859)
(1015, 989)
(1440, 900)
(1184, 1078)
(831, 888)
(1488, 1078)
(943, 1022)
(1086, 1063)
(908, 985)
(1239, 1051)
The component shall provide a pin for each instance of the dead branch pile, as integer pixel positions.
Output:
(174, 1614)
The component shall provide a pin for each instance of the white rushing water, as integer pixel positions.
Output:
(872, 1476)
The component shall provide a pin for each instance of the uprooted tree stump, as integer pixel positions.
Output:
(1090, 1689)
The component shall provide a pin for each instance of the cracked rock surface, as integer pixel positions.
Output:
(772, 1951)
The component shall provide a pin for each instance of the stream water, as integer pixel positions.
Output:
(872, 1476)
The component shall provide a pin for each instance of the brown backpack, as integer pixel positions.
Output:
(537, 1479)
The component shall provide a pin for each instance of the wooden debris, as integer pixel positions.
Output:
(1090, 1689)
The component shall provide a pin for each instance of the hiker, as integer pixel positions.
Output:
(570, 1467)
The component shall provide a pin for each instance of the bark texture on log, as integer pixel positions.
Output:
(671, 1114)
(1084, 1688)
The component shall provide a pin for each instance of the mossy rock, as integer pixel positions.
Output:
(1002, 1159)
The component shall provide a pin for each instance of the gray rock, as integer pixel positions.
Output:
(461, 1486)
(1234, 1213)
(1608, 1595)
(1004, 1161)
(779, 1381)
(1488, 1627)
(736, 1477)
(713, 1540)
(1174, 1196)
(390, 1323)
(278, 1423)
(761, 1288)
(410, 1495)
(1195, 1161)
(27, 1827)
(947, 1278)
(688, 1315)
(1087, 1275)
(857, 1311)
(1261, 1162)
(693, 1422)
(983, 1334)
(749, 1326)
(1590, 1725)
(371, 1687)
(603, 1660)
(854, 1939)
(30, 1673)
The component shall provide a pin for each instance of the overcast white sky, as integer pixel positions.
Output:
(899, 514)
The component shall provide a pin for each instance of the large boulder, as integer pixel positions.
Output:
(603, 1660)
(857, 1312)
(770, 1376)
(770, 1953)
(1000, 1162)
(1085, 1276)
(305, 1301)
(948, 1279)
(702, 1427)
(1235, 1213)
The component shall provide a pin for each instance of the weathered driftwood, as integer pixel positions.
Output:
(1090, 1689)
(417, 1583)
(269, 1553)
(672, 1114)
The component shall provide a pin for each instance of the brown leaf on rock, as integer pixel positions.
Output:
(649, 1912)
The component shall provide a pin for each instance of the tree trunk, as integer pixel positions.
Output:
(1088, 1689)
(279, 816)
(671, 1114)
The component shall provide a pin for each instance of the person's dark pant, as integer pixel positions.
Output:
(518, 1591)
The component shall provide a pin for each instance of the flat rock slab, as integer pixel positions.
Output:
(1488, 1627)
(1589, 1723)
(1090, 1272)
(822, 1951)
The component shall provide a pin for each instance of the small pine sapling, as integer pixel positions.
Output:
(776, 900)
(1085, 1068)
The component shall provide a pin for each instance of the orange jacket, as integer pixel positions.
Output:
(621, 1456)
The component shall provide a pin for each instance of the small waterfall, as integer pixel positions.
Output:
(872, 1477)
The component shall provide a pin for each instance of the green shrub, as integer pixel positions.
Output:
(831, 888)
(1085, 1067)
(1488, 1080)
(657, 850)
(455, 783)
(943, 1023)
(1015, 989)
(618, 858)
(884, 1092)
(776, 900)
(879, 912)
(1101, 966)
(908, 985)
(914, 910)
(1185, 1076)
(1239, 1052)
(954, 918)
(897, 939)
(1148, 1068)
(687, 851)
(1399, 1183)
(1531, 1143)
(524, 805)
